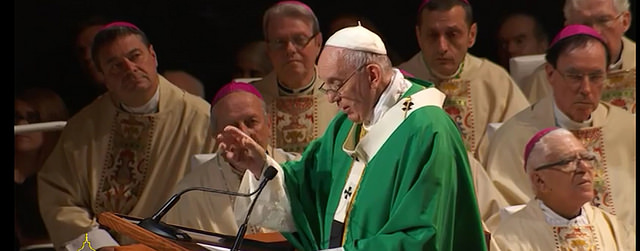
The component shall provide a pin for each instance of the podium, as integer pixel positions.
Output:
(201, 240)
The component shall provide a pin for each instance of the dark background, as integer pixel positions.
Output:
(201, 36)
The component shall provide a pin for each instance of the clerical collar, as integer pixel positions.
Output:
(307, 89)
(455, 75)
(564, 121)
(388, 98)
(555, 219)
(150, 107)
(618, 64)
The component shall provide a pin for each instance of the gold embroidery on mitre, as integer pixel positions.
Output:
(620, 89)
(593, 140)
(578, 238)
(458, 105)
(126, 163)
(295, 122)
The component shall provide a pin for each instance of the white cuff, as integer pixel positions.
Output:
(272, 209)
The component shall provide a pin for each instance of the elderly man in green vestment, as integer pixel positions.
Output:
(390, 172)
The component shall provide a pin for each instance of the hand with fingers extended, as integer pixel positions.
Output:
(241, 151)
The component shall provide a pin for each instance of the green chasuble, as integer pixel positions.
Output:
(416, 193)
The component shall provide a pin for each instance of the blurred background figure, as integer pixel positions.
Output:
(34, 105)
(252, 60)
(92, 80)
(347, 19)
(185, 81)
(520, 34)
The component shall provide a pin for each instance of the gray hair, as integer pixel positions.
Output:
(213, 120)
(542, 149)
(620, 5)
(357, 58)
(290, 9)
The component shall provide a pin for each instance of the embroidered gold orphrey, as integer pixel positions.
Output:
(459, 106)
(295, 122)
(126, 164)
(592, 139)
(620, 89)
(578, 238)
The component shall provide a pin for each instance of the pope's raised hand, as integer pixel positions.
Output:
(240, 150)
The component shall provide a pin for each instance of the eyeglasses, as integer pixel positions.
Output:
(602, 22)
(569, 165)
(575, 79)
(334, 89)
(30, 117)
(298, 41)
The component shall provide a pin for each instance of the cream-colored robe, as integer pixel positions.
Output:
(295, 120)
(111, 160)
(612, 137)
(527, 230)
(484, 93)
(536, 86)
(489, 199)
(208, 211)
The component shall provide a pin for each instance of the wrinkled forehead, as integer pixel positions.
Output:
(560, 146)
(578, 9)
(237, 101)
(280, 26)
(330, 63)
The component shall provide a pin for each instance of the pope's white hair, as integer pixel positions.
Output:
(355, 59)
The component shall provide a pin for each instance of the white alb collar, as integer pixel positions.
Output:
(389, 97)
(564, 121)
(555, 219)
(149, 107)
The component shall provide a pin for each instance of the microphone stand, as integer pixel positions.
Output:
(268, 175)
(243, 228)
(154, 225)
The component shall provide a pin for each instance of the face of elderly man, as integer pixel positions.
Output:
(578, 79)
(565, 171)
(244, 111)
(351, 87)
(292, 45)
(602, 16)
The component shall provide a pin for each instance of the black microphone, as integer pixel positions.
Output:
(154, 225)
(268, 175)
